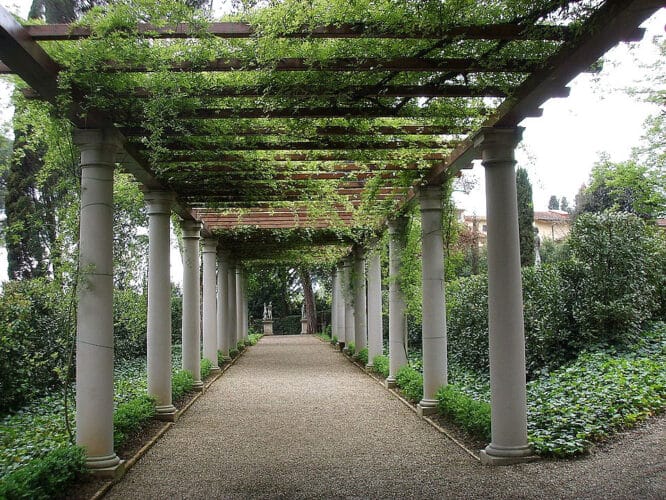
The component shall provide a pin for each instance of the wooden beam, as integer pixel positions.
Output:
(249, 169)
(245, 30)
(407, 64)
(300, 157)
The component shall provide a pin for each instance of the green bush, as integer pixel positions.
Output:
(324, 337)
(362, 356)
(334, 340)
(205, 368)
(287, 325)
(131, 417)
(34, 340)
(410, 382)
(233, 352)
(221, 359)
(130, 311)
(351, 348)
(380, 364)
(611, 277)
(255, 337)
(176, 314)
(47, 477)
(471, 415)
(181, 383)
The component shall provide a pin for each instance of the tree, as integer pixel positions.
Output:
(564, 205)
(525, 217)
(554, 203)
(623, 187)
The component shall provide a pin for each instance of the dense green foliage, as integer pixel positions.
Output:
(34, 340)
(205, 368)
(410, 382)
(350, 347)
(380, 365)
(130, 310)
(362, 356)
(181, 383)
(131, 417)
(525, 217)
(605, 290)
(47, 477)
(468, 413)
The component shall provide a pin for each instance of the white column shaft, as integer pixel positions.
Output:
(375, 341)
(349, 300)
(334, 291)
(434, 307)
(191, 301)
(159, 301)
(209, 301)
(505, 301)
(360, 308)
(94, 336)
(239, 304)
(397, 306)
(222, 308)
(231, 305)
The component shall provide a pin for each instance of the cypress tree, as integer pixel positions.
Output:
(525, 217)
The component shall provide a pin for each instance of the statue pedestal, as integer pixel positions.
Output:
(268, 327)
(304, 326)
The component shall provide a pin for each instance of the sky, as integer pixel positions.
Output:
(558, 149)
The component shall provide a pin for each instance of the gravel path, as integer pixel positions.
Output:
(294, 419)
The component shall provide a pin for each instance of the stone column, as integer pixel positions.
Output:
(246, 312)
(334, 291)
(349, 302)
(159, 303)
(222, 309)
(360, 310)
(434, 308)
(397, 307)
(94, 335)
(191, 301)
(340, 304)
(231, 304)
(209, 257)
(375, 341)
(505, 301)
(239, 303)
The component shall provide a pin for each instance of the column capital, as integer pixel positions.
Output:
(191, 229)
(158, 202)
(430, 198)
(497, 144)
(209, 245)
(397, 224)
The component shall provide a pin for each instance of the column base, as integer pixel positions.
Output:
(426, 407)
(214, 370)
(108, 467)
(369, 367)
(198, 386)
(507, 456)
(390, 383)
(167, 413)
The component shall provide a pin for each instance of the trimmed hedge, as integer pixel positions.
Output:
(471, 415)
(131, 417)
(362, 356)
(410, 383)
(181, 383)
(380, 364)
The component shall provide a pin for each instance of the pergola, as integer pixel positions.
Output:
(273, 139)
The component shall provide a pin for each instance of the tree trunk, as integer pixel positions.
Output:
(310, 307)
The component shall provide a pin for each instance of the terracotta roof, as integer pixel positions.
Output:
(552, 216)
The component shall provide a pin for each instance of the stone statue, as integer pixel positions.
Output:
(303, 311)
(270, 310)
(265, 312)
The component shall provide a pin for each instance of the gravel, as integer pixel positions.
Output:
(294, 419)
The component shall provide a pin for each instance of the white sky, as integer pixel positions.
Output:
(558, 149)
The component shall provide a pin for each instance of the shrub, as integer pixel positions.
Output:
(288, 325)
(471, 415)
(324, 337)
(181, 383)
(221, 359)
(334, 340)
(130, 311)
(131, 417)
(176, 314)
(611, 283)
(362, 356)
(255, 337)
(380, 364)
(351, 348)
(34, 340)
(240, 345)
(205, 367)
(410, 382)
(233, 352)
(46, 477)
